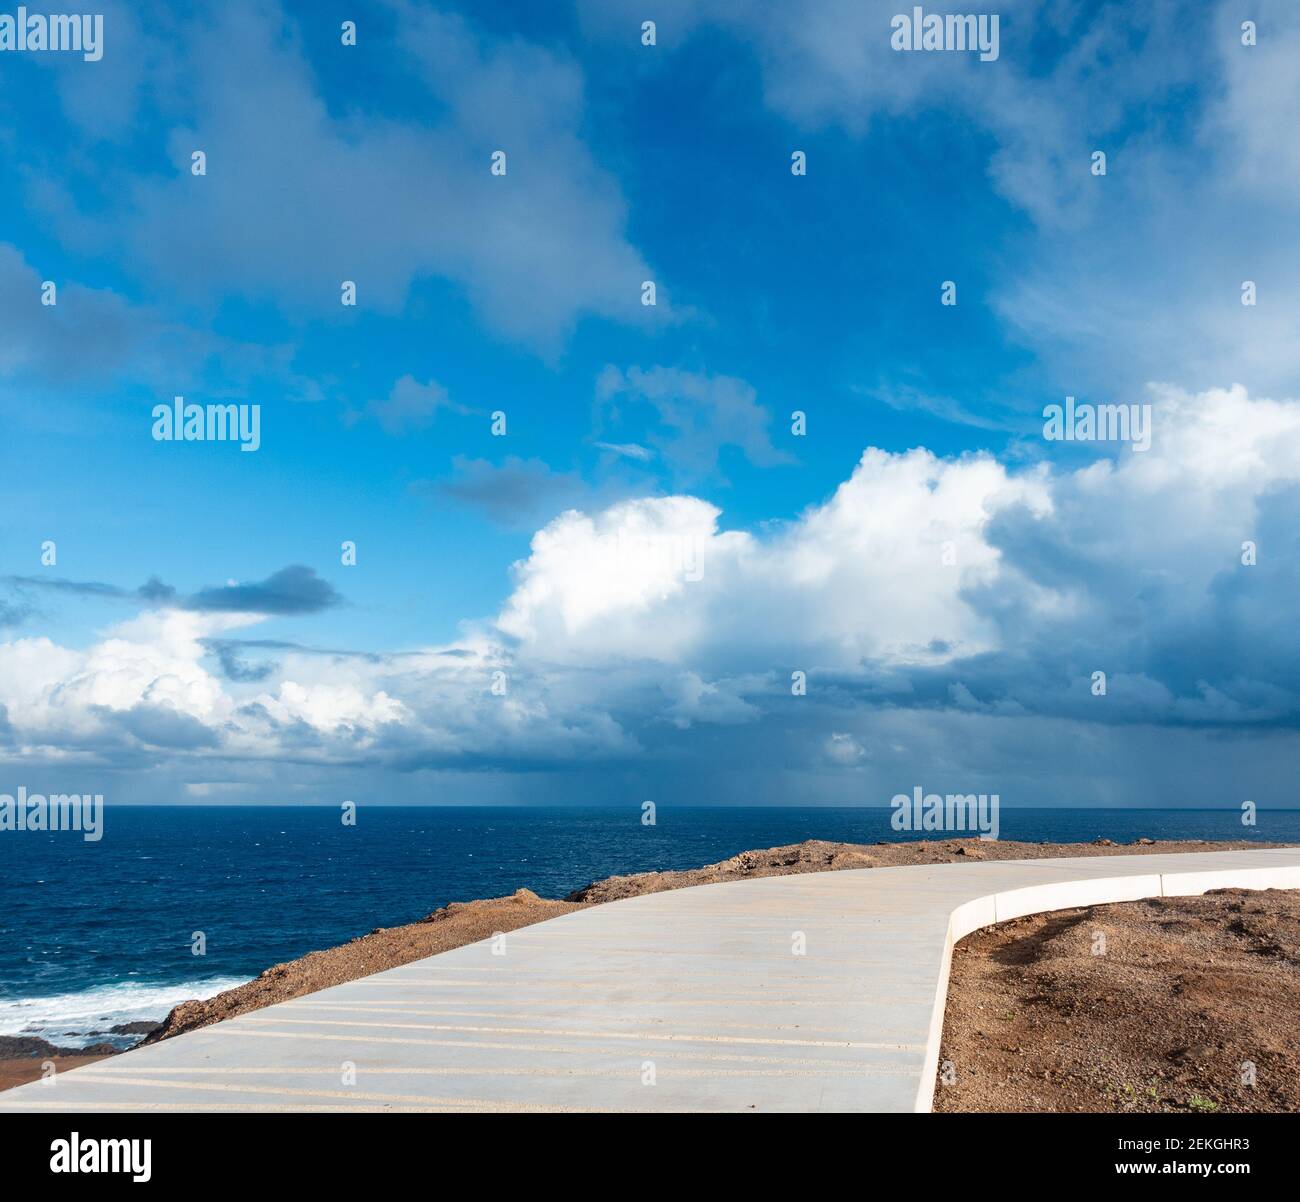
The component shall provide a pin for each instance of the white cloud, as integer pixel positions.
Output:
(593, 583)
(628, 450)
(358, 196)
(876, 572)
(410, 405)
(697, 416)
(1118, 279)
(843, 748)
(695, 699)
(56, 696)
(631, 630)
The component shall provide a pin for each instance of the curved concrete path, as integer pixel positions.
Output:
(697, 999)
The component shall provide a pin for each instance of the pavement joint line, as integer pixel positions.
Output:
(483, 1071)
(639, 1036)
(546, 1049)
(380, 1006)
(638, 1018)
(629, 1018)
(348, 1094)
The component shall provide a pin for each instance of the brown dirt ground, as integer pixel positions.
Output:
(467, 922)
(19, 1071)
(816, 855)
(1187, 993)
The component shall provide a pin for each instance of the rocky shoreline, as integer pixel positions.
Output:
(23, 1057)
(14, 1046)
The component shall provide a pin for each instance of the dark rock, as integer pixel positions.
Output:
(140, 1028)
(14, 1046)
(22, 1047)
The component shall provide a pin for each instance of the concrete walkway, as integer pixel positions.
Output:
(696, 999)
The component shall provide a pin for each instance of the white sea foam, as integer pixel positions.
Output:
(78, 1019)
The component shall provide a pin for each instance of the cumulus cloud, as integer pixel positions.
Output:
(145, 687)
(946, 612)
(880, 571)
(938, 583)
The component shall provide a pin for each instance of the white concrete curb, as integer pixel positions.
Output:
(1073, 894)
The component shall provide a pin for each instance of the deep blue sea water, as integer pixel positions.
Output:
(95, 934)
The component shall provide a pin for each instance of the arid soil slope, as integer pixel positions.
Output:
(1153, 1005)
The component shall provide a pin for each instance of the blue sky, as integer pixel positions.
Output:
(641, 439)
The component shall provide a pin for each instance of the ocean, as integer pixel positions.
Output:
(93, 935)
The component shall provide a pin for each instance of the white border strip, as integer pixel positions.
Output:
(1069, 895)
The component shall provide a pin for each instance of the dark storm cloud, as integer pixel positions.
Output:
(153, 590)
(292, 590)
(160, 726)
(518, 493)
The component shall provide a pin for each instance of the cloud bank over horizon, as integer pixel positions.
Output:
(924, 595)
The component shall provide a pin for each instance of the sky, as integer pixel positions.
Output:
(792, 534)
